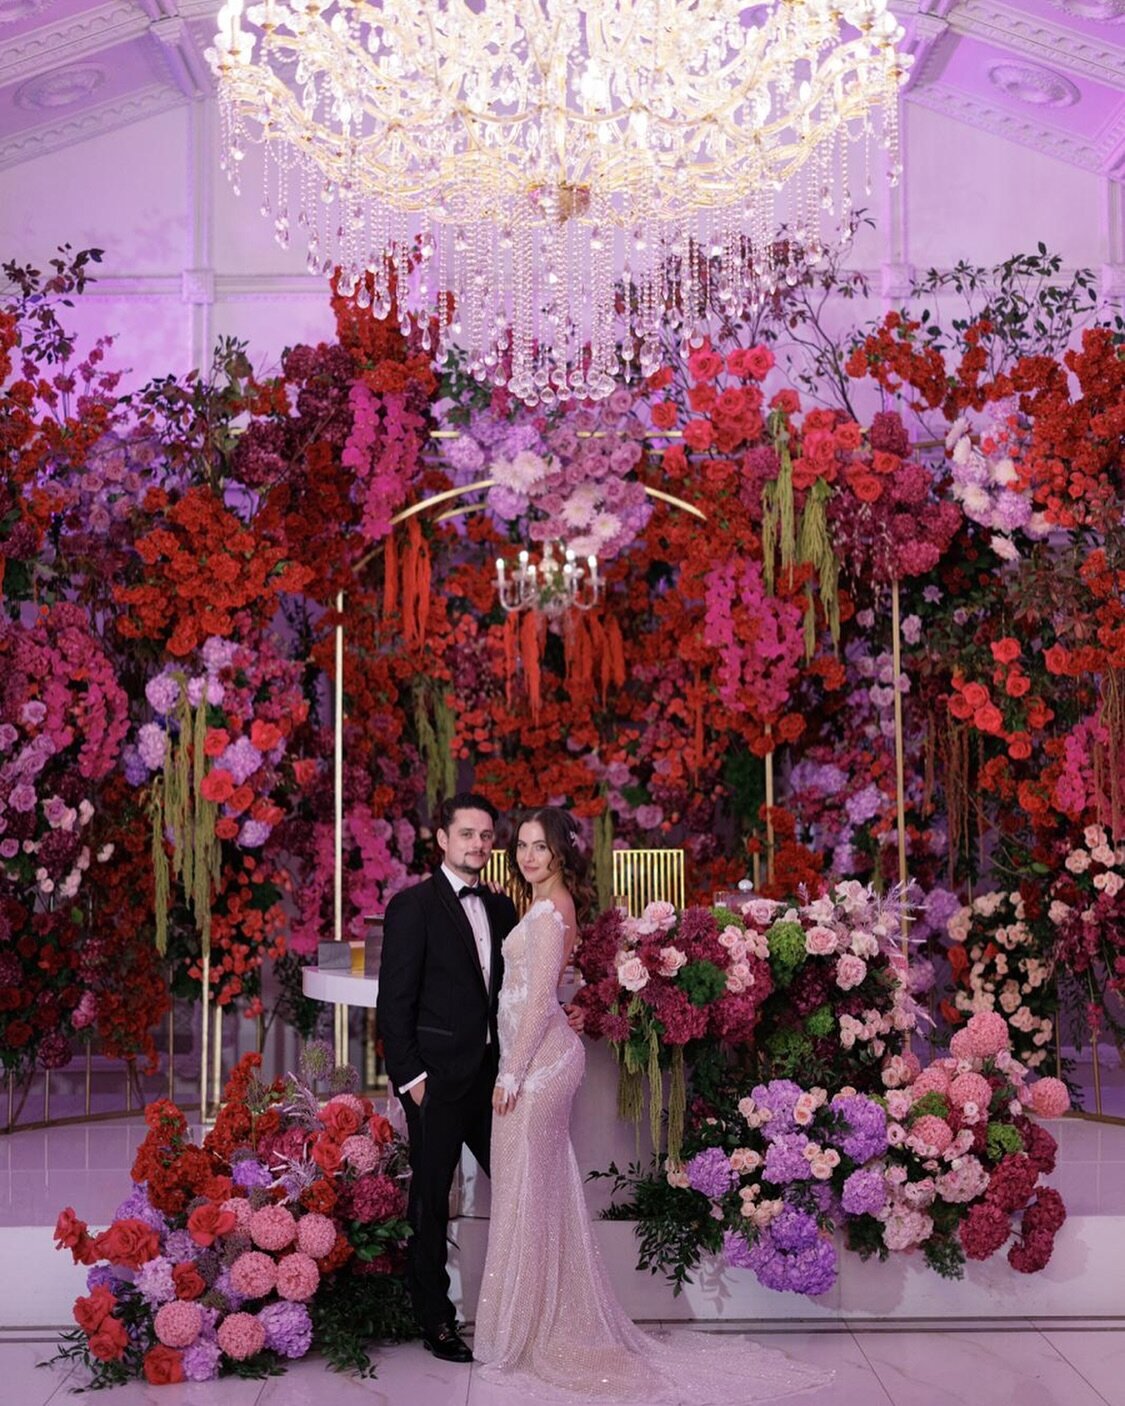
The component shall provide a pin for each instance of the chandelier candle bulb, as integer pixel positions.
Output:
(488, 140)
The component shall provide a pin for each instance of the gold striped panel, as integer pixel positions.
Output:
(644, 876)
(496, 872)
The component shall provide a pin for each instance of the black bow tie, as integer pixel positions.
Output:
(469, 891)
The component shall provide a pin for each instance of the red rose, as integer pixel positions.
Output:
(70, 1233)
(787, 401)
(702, 398)
(759, 362)
(304, 770)
(240, 798)
(380, 1129)
(108, 1344)
(664, 415)
(976, 695)
(226, 827)
(18, 1033)
(959, 707)
(866, 487)
(340, 1120)
(91, 1312)
(207, 1223)
(263, 735)
(1006, 651)
(705, 364)
(1055, 658)
(848, 436)
(675, 461)
(128, 1242)
(1016, 685)
(660, 379)
(1019, 747)
(217, 786)
(327, 1156)
(884, 463)
(216, 742)
(989, 718)
(698, 435)
(188, 1281)
(163, 1365)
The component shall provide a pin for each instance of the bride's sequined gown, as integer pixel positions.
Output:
(547, 1320)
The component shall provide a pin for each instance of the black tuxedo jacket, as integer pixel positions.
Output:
(434, 1012)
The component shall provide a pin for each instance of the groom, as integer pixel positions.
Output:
(439, 981)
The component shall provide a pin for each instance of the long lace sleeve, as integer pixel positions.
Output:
(533, 1002)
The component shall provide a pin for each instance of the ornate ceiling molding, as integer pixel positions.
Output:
(62, 87)
(1015, 126)
(1055, 45)
(77, 37)
(88, 122)
(13, 11)
(1101, 11)
(1033, 84)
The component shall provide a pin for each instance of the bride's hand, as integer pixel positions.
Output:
(502, 1102)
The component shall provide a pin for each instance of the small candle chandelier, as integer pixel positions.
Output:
(557, 584)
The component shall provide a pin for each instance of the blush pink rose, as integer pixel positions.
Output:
(850, 971)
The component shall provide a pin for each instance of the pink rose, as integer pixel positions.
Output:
(632, 974)
(660, 914)
(850, 971)
(671, 960)
(820, 942)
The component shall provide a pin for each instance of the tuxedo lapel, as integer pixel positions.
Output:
(455, 910)
(497, 962)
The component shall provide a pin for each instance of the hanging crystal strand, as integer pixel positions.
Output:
(891, 128)
(520, 306)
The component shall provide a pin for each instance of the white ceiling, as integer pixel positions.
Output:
(1049, 74)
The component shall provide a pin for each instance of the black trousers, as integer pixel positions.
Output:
(438, 1131)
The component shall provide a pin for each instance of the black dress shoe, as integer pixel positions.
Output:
(447, 1343)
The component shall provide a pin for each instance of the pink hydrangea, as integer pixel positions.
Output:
(273, 1227)
(1049, 1098)
(241, 1209)
(254, 1274)
(297, 1277)
(932, 1132)
(360, 1153)
(316, 1235)
(178, 1323)
(932, 1080)
(241, 1335)
(985, 1035)
(971, 1088)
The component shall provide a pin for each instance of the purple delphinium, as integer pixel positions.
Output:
(866, 1123)
(710, 1172)
(786, 1160)
(288, 1328)
(865, 1192)
(200, 1361)
(779, 1096)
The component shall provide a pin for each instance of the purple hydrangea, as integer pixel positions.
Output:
(288, 1328)
(137, 1206)
(250, 1173)
(180, 1247)
(102, 1274)
(136, 773)
(710, 1172)
(779, 1096)
(163, 693)
(223, 1286)
(786, 1160)
(254, 833)
(865, 1192)
(152, 741)
(793, 1229)
(200, 1361)
(154, 1280)
(866, 1123)
(242, 759)
(810, 1269)
(217, 654)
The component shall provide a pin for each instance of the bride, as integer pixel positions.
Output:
(547, 1320)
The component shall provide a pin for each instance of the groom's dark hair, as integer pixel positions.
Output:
(465, 800)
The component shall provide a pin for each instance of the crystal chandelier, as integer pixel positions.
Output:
(575, 173)
(552, 587)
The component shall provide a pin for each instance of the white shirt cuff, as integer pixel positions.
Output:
(405, 1087)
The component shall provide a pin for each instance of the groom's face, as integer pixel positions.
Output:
(467, 844)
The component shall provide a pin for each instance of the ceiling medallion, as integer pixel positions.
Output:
(1106, 11)
(1029, 83)
(63, 88)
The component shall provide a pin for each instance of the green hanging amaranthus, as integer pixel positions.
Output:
(179, 805)
(603, 858)
(435, 742)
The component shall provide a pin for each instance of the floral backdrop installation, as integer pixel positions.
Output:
(171, 564)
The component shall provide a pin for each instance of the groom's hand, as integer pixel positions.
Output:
(418, 1092)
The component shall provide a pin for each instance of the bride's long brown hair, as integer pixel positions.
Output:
(561, 834)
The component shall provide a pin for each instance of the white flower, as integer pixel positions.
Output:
(580, 507)
(1004, 547)
(1003, 471)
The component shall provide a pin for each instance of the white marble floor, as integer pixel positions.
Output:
(1017, 1363)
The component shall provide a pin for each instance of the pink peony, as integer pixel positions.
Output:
(985, 1035)
(1049, 1098)
(273, 1227)
(971, 1088)
(253, 1274)
(820, 942)
(297, 1277)
(178, 1323)
(316, 1235)
(241, 1335)
(933, 1132)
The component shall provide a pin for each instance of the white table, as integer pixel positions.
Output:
(342, 989)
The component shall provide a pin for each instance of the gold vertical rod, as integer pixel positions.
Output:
(47, 1096)
(204, 1036)
(128, 1089)
(216, 1055)
(900, 762)
(171, 1049)
(1058, 1036)
(338, 880)
(89, 1077)
(11, 1098)
(369, 1048)
(1097, 1073)
(769, 810)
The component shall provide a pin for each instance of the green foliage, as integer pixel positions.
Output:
(1002, 1139)
(821, 1023)
(350, 1311)
(674, 1225)
(787, 951)
(933, 1105)
(944, 1255)
(790, 1056)
(701, 982)
(728, 918)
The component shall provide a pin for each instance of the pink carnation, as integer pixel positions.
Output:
(1049, 1098)
(971, 1088)
(241, 1209)
(316, 1235)
(984, 1036)
(178, 1323)
(933, 1132)
(297, 1277)
(253, 1274)
(360, 1152)
(241, 1335)
(273, 1227)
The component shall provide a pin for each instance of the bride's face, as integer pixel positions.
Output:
(533, 854)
